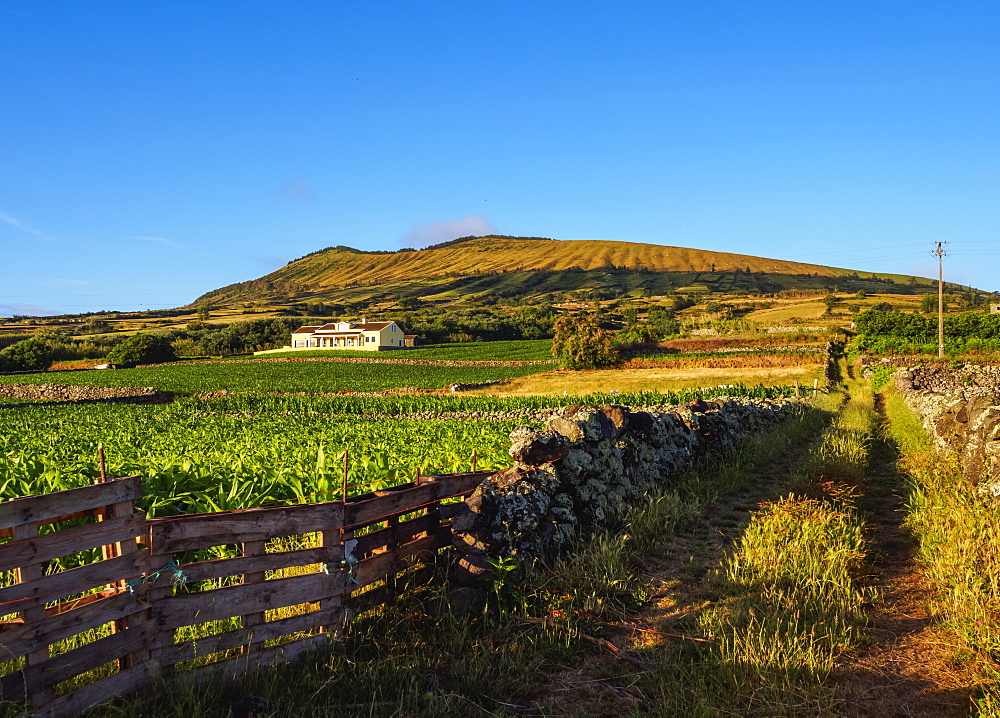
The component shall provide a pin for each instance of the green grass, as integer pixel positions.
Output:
(312, 377)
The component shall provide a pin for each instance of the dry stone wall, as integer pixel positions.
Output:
(586, 467)
(960, 409)
(65, 392)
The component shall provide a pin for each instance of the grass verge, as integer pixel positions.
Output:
(959, 546)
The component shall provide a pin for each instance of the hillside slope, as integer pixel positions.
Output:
(489, 255)
(464, 269)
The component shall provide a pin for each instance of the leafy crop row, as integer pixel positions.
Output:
(312, 377)
(438, 404)
(193, 460)
(243, 450)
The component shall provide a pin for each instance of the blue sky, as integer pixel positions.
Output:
(153, 151)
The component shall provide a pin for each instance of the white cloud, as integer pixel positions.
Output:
(425, 233)
(162, 240)
(25, 310)
(18, 224)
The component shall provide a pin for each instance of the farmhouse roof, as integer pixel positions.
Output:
(306, 330)
(368, 327)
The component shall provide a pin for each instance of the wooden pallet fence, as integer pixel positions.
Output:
(296, 572)
(53, 631)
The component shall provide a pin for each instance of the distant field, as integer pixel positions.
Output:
(520, 350)
(812, 311)
(727, 360)
(663, 380)
(311, 377)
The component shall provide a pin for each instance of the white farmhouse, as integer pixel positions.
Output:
(367, 336)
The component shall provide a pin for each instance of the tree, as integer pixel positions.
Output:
(579, 343)
(27, 355)
(142, 349)
(96, 325)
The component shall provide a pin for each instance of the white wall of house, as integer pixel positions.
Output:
(343, 336)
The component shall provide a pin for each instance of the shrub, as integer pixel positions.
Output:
(142, 349)
(579, 343)
(28, 355)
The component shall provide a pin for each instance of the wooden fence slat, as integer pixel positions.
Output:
(412, 497)
(233, 527)
(9, 532)
(70, 541)
(452, 484)
(56, 585)
(73, 704)
(43, 508)
(381, 507)
(219, 603)
(377, 567)
(21, 638)
(404, 531)
(240, 637)
(218, 568)
(45, 675)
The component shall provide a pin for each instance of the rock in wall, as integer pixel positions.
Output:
(960, 409)
(585, 469)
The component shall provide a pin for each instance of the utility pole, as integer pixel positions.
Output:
(940, 254)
